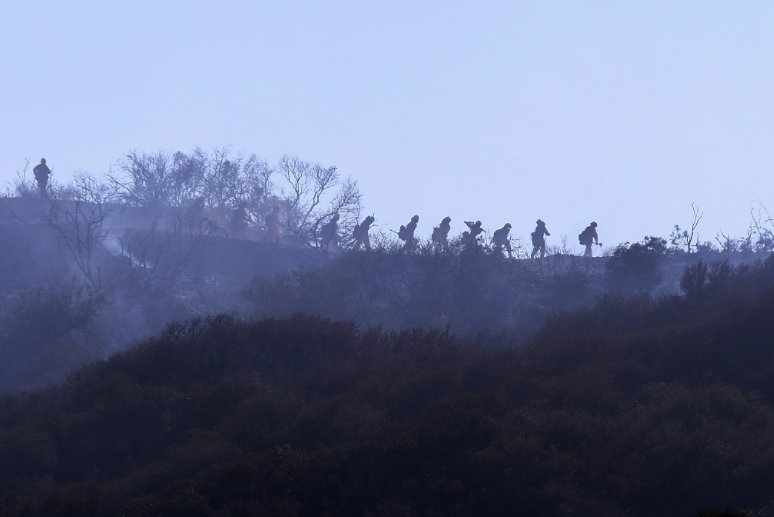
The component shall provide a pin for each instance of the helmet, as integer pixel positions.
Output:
(507, 225)
(594, 224)
(539, 222)
(446, 219)
(43, 161)
(415, 219)
(478, 223)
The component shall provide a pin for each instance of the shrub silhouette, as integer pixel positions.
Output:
(45, 333)
(636, 267)
(632, 406)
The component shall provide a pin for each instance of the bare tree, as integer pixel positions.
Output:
(144, 180)
(187, 177)
(141, 255)
(727, 243)
(683, 238)
(313, 194)
(258, 186)
(764, 236)
(224, 185)
(80, 224)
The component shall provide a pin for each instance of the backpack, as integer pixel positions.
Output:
(402, 233)
(584, 237)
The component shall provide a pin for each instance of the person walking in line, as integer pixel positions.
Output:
(441, 234)
(470, 238)
(500, 240)
(538, 239)
(406, 234)
(329, 233)
(360, 233)
(42, 172)
(588, 237)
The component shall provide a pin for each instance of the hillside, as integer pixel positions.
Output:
(632, 406)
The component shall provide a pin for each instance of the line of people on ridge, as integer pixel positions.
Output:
(470, 240)
(329, 232)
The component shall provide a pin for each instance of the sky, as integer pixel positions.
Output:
(624, 113)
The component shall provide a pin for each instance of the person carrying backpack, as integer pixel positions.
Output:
(42, 172)
(406, 234)
(360, 233)
(538, 239)
(440, 235)
(500, 240)
(329, 233)
(588, 237)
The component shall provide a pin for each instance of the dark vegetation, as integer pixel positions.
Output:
(633, 406)
(638, 383)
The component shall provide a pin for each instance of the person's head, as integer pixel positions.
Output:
(370, 219)
(593, 224)
(446, 219)
(478, 223)
(507, 226)
(540, 223)
(43, 161)
(415, 219)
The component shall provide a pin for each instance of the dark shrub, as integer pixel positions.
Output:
(636, 267)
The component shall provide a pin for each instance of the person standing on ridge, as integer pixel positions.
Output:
(330, 233)
(440, 235)
(406, 234)
(589, 237)
(470, 238)
(360, 233)
(42, 172)
(538, 239)
(500, 240)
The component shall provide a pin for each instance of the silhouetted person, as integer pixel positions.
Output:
(329, 233)
(538, 239)
(240, 220)
(273, 224)
(475, 228)
(500, 240)
(360, 233)
(41, 172)
(406, 233)
(441, 234)
(589, 237)
(470, 241)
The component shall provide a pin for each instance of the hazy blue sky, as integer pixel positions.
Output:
(621, 112)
